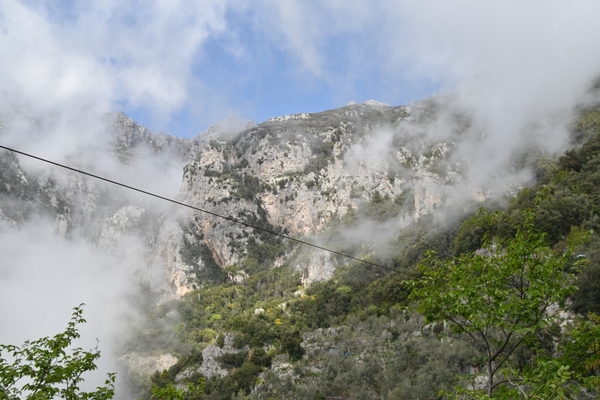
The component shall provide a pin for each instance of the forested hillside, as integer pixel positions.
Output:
(464, 280)
(252, 330)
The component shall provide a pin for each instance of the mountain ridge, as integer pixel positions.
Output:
(377, 182)
(295, 173)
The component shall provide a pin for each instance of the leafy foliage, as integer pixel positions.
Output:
(45, 369)
(170, 391)
(497, 273)
(499, 297)
(405, 366)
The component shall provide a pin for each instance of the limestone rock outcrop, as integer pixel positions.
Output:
(300, 175)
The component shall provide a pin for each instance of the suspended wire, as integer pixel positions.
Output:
(225, 217)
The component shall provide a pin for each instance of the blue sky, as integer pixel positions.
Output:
(250, 75)
(268, 84)
(520, 67)
(179, 66)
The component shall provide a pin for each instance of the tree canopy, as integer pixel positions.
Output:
(46, 369)
(505, 298)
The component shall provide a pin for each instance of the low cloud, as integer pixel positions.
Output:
(42, 277)
(516, 69)
(90, 58)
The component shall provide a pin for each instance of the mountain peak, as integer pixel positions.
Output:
(375, 103)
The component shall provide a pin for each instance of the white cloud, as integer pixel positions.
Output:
(42, 277)
(519, 67)
(144, 54)
(101, 53)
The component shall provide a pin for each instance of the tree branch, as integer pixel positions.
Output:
(509, 353)
(508, 381)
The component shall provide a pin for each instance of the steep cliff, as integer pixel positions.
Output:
(370, 180)
(301, 174)
(330, 177)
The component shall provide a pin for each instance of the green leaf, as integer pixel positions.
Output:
(44, 369)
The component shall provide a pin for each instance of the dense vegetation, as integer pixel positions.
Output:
(446, 317)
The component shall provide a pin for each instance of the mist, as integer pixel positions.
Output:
(42, 277)
(518, 71)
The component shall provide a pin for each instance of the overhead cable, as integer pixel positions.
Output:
(228, 218)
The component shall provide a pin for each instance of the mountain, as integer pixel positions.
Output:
(217, 287)
(294, 174)
(299, 174)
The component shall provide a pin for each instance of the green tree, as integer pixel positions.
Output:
(45, 369)
(192, 391)
(499, 296)
(570, 373)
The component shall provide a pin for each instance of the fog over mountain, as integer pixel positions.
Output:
(69, 239)
(479, 92)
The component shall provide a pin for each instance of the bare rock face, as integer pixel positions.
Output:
(110, 218)
(303, 175)
(129, 138)
(319, 267)
(141, 368)
(298, 174)
(150, 364)
(210, 366)
(124, 221)
(168, 258)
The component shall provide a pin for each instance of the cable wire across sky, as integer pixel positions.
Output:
(225, 217)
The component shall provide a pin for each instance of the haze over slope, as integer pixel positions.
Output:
(376, 168)
(515, 73)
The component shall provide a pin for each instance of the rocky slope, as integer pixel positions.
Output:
(352, 179)
(295, 174)
(298, 174)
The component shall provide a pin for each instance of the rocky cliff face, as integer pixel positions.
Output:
(304, 175)
(77, 201)
(116, 222)
(352, 179)
(299, 174)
